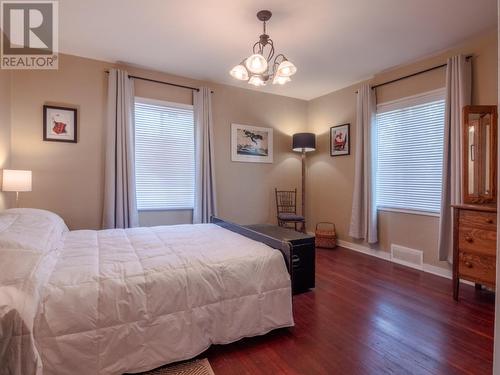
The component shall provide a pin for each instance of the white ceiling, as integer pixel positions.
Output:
(333, 43)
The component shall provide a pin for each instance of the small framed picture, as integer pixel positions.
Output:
(251, 144)
(340, 140)
(59, 124)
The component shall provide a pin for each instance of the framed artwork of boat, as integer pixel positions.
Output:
(59, 124)
(251, 144)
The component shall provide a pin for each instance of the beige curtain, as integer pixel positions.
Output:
(364, 211)
(458, 95)
(120, 206)
(205, 204)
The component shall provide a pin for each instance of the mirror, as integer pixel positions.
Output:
(479, 154)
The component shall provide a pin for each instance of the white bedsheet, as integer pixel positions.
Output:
(117, 301)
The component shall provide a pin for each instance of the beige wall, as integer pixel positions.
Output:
(330, 179)
(5, 108)
(68, 178)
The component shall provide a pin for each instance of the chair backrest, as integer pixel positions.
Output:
(286, 201)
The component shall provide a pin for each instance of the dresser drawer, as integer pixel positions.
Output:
(478, 268)
(479, 220)
(477, 240)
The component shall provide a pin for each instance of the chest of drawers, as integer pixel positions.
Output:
(474, 245)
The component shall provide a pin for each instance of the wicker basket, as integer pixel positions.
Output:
(326, 236)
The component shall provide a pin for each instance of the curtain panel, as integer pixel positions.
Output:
(458, 95)
(364, 211)
(205, 204)
(120, 206)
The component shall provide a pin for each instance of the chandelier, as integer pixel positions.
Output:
(260, 68)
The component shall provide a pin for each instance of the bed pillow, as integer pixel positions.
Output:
(31, 229)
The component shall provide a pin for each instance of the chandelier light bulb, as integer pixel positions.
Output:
(279, 80)
(239, 72)
(256, 81)
(256, 64)
(286, 69)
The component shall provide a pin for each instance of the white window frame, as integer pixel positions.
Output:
(408, 101)
(163, 103)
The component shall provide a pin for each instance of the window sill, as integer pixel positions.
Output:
(164, 209)
(411, 212)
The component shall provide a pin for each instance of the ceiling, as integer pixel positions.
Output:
(333, 43)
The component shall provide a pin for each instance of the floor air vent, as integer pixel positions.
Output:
(407, 257)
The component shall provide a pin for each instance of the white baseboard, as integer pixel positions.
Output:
(438, 271)
(385, 255)
(365, 250)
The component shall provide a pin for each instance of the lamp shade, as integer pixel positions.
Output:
(304, 142)
(16, 180)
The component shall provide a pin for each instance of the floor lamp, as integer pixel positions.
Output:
(304, 142)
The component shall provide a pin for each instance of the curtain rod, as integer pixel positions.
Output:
(413, 74)
(164, 83)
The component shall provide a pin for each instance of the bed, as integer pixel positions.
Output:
(115, 301)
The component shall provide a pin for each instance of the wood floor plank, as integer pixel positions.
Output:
(370, 316)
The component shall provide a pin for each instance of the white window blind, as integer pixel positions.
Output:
(410, 135)
(164, 155)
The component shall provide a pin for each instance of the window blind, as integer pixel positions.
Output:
(164, 155)
(409, 150)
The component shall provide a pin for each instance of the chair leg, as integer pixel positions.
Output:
(304, 227)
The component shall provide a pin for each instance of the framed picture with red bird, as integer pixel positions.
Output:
(340, 140)
(59, 124)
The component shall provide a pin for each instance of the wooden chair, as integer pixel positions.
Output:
(286, 208)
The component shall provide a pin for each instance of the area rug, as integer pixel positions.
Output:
(197, 367)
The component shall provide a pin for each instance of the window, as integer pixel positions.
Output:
(409, 148)
(164, 155)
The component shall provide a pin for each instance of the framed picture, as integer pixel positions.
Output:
(59, 124)
(340, 140)
(251, 144)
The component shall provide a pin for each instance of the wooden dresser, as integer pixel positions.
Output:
(474, 245)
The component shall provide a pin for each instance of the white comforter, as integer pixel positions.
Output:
(114, 301)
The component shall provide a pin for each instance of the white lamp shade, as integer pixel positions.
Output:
(279, 80)
(286, 69)
(256, 81)
(256, 64)
(239, 72)
(16, 180)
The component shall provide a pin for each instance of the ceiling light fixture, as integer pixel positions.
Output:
(258, 69)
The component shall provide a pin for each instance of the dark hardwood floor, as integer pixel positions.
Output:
(369, 316)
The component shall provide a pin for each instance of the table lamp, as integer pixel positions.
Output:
(16, 180)
(304, 142)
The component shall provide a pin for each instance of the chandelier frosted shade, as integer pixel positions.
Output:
(256, 81)
(279, 80)
(286, 69)
(239, 72)
(256, 64)
(262, 66)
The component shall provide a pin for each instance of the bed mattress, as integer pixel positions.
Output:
(115, 301)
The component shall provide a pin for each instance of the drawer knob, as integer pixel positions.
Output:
(468, 238)
(489, 221)
(468, 264)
